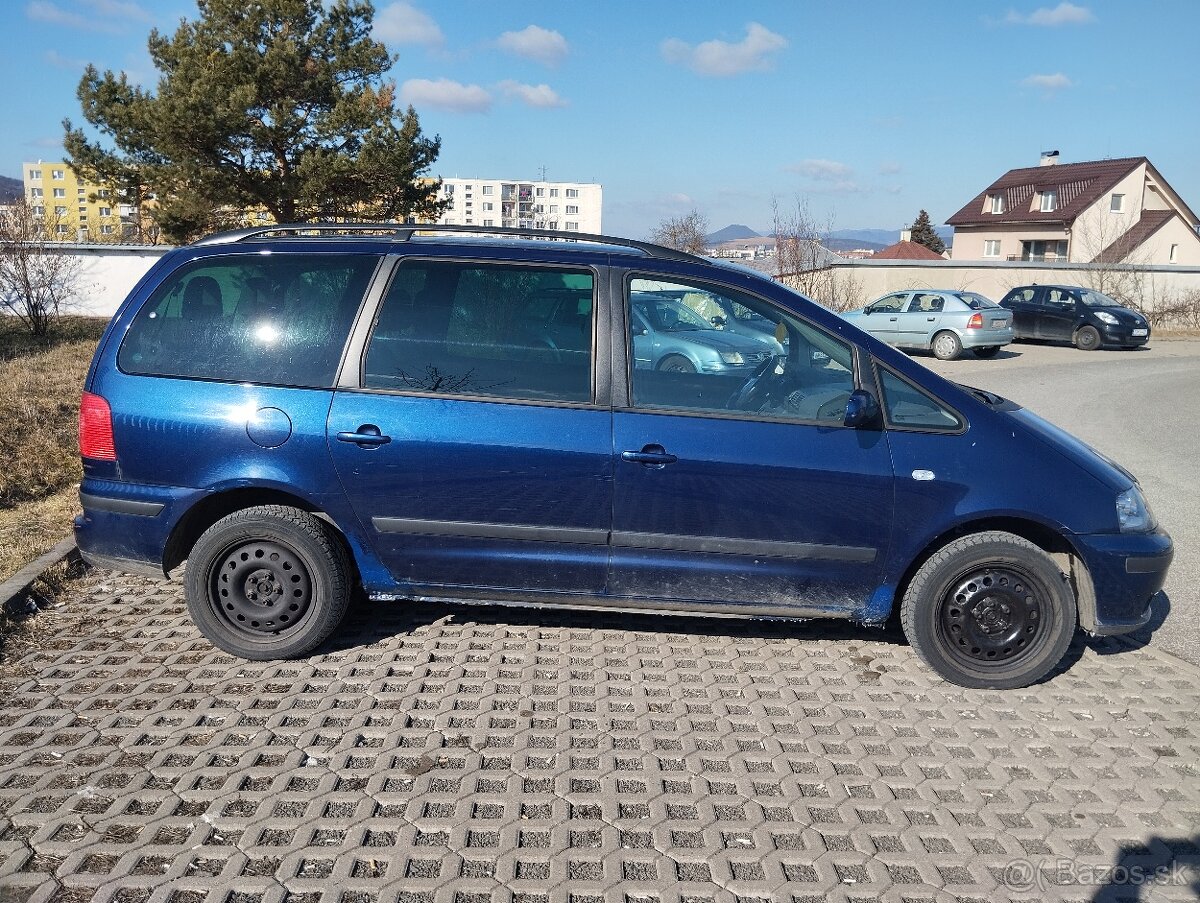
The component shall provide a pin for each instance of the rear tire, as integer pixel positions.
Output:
(269, 582)
(989, 611)
(946, 346)
(988, 351)
(1087, 338)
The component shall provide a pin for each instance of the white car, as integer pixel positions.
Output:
(942, 321)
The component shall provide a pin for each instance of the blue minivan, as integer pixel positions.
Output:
(296, 412)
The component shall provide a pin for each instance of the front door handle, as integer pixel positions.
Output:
(651, 455)
(366, 436)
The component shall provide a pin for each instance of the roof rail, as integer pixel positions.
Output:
(405, 231)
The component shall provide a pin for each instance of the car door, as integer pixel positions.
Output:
(1058, 314)
(1022, 303)
(747, 493)
(920, 319)
(467, 435)
(882, 318)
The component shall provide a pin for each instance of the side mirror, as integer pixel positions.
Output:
(861, 409)
(866, 310)
(718, 322)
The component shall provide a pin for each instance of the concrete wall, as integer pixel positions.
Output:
(107, 273)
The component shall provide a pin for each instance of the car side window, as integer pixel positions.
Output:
(782, 368)
(473, 329)
(890, 304)
(1023, 296)
(926, 303)
(908, 407)
(281, 319)
(1061, 297)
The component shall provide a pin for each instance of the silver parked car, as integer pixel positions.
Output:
(669, 335)
(942, 321)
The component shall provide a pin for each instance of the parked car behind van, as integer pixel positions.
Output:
(941, 321)
(1068, 313)
(284, 414)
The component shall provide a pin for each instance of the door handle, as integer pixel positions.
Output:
(892, 319)
(651, 455)
(931, 319)
(366, 436)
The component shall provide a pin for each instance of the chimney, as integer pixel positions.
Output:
(1049, 158)
(906, 234)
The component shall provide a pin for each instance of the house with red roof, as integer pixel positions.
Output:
(905, 249)
(1104, 211)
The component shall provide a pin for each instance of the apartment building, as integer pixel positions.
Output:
(564, 206)
(72, 208)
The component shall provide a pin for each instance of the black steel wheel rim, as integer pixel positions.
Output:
(992, 616)
(260, 588)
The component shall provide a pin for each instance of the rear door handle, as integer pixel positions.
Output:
(650, 455)
(368, 435)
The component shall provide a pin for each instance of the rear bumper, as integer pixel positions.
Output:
(985, 338)
(125, 526)
(1126, 571)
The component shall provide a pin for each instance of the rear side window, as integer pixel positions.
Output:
(274, 319)
(977, 302)
(477, 329)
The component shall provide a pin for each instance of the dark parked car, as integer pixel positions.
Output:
(1069, 313)
(296, 412)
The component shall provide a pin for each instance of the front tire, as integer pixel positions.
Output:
(269, 582)
(1087, 338)
(988, 351)
(676, 363)
(946, 346)
(989, 611)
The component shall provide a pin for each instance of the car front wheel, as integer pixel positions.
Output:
(1087, 338)
(991, 611)
(269, 582)
(676, 363)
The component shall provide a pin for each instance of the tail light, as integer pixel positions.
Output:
(95, 429)
(976, 321)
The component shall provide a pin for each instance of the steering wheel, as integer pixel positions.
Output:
(753, 394)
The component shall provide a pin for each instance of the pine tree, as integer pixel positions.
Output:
(923, 234)
(278, 105)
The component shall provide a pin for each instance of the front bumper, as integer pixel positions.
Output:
(1122, 334)
(1126, 570)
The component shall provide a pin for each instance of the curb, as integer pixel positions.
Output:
(24, 578)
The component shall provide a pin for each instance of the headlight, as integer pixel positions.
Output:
(1133, 514)
(732, 357)
(1105, 317)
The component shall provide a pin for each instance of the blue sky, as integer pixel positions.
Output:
(867, 112)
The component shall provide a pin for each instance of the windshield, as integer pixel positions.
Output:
(665, 315)
(976, 301)
(1095, 299)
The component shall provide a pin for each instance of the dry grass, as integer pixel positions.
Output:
(42, 379)
(32, 528)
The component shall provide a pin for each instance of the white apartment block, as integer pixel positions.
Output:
(565, 206)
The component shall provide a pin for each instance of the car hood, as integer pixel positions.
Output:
(722, 341)
(1124, 314)
(1103, 468)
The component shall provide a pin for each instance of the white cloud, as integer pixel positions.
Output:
(821, 170)
(1055, 82)
(532, 95)
(1063, 14)
(445, 94)
(720, 58)
(403, 23)
(58, 61)
(535, 43)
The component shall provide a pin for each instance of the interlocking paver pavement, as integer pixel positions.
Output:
(471, 755)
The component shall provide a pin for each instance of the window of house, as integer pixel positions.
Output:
(489, 222)
(541, 192)
(554, 208)
(553, 192)
(1049, 201)
(997, 203)
(572, 192)
(449, 190)
(488, 205)
(63, 229)
(102, 193)
(35, 192)
(60, 211)
(56, 174)
(494, 330)
(1117, 203)
(572, 208)
(991, 247)
(1174, 255)
(81, 191)
(106, 211)
(60, 192)
(35, 175)
(106, 230)
(274, 319)
(487, 189)
(571, 227)
(39, 211)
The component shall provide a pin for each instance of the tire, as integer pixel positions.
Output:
(946, 346)
(989, 611)
(987, 351)
(1087, 338)
(676, 363)
(270, 582)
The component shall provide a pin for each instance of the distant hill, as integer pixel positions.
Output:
(852, 244)
(731, 233)
(11, 189)
(884, 237)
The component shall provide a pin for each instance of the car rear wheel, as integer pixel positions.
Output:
(268, 582)
(946, 346)
(1087, 338)
(988, 351)
(991, 611)
(676, 363)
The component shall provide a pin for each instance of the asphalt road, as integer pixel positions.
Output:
(1141, 408)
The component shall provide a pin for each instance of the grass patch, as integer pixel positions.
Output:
(32, 528)
(42, 378)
